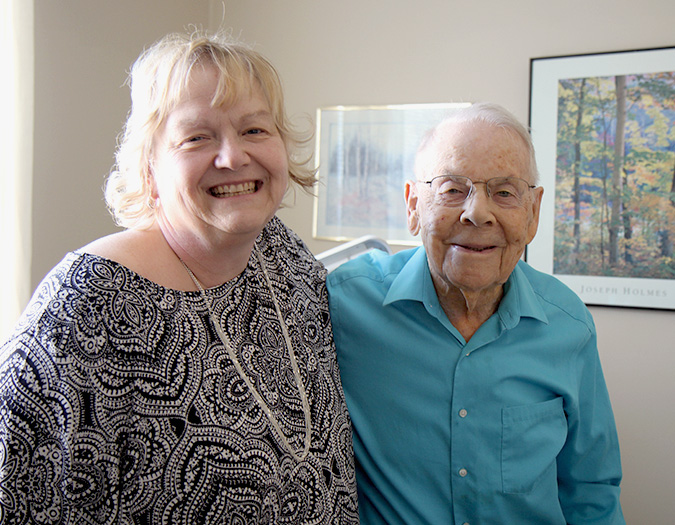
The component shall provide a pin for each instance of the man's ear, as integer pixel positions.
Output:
(411, 203)
(534, 219)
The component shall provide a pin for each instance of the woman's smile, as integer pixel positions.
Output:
(232, 190)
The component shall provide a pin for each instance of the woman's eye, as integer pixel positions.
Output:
(192, 141)
(254, 131)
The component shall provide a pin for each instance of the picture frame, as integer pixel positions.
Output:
(364, 155)
(602, 126)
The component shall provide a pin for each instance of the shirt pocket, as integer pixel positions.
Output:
(532, 437)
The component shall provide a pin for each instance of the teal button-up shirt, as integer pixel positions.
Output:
(514, 426)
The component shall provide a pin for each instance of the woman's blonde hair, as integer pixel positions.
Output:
(159, 79)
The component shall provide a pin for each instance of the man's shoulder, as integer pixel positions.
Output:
(554, 294)
(375, 265)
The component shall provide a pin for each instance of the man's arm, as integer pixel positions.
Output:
(589, 465)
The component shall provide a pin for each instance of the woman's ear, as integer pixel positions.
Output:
(411, 202)
(150, 180)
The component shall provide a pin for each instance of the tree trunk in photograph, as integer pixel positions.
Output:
(577, 174)
(627, 226)
(616, 191)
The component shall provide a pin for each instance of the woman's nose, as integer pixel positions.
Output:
(231, 155)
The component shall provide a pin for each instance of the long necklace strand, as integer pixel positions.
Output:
(294, 364)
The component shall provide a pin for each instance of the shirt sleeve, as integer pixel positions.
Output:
(47, 468)
(589, 465)
(33, 433)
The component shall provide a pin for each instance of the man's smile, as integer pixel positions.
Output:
(474, 247)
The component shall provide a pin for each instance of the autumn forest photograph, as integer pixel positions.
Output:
(615, 176)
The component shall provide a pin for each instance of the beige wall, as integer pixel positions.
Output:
(83, 50)
(356, 52)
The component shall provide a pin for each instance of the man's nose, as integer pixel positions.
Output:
(232, 154)
(477, 208)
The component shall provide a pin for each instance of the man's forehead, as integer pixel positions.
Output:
(447, 141)
(451, 137)
(457, 143)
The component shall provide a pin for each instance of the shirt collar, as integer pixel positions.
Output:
(414, 283)
(410, 282)
(519, 300)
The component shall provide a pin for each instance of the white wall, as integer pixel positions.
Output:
(356, 52)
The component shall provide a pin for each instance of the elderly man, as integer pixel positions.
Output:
(473, 381)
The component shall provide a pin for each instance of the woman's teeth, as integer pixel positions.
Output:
(229, 190)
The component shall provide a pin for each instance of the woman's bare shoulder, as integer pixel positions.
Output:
(122, 247)
(146, 253)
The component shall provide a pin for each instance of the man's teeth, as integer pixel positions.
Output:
(228, 190)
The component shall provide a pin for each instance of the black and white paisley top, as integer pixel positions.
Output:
(119, 403)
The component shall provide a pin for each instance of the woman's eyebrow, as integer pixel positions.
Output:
(191, 120)
(264, 113)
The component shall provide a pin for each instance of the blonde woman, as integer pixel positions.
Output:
(182, 371)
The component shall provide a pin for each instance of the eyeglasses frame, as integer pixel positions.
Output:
(473, 185)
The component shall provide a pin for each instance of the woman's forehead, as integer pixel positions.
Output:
(223, 87)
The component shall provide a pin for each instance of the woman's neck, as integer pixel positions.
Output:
(212, 263)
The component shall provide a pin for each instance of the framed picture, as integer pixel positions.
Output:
(365, 154)
(603, 127)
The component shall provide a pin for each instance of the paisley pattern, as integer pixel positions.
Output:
(119, 404)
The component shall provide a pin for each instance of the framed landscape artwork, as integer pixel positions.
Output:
(603, 127)
(365, 154)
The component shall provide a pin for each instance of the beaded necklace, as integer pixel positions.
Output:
(291, 353)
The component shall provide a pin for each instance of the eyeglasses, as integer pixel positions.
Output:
(453, 190)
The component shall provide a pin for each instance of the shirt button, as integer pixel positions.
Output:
(463, 413)
(463, 472)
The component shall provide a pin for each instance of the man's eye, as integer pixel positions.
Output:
(450, 190)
